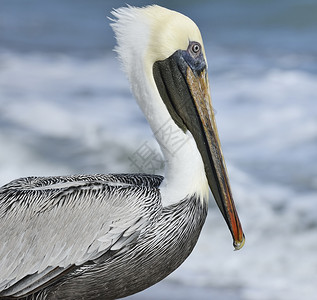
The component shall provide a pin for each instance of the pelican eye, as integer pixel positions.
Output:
(194, 49)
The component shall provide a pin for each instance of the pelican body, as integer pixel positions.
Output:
(110, 236)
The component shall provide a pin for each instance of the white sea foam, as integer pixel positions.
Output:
(62, 115)
(278, 260)
(77, 106)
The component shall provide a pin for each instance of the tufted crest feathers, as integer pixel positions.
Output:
(145, 35)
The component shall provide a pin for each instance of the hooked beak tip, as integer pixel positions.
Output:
(239, 244)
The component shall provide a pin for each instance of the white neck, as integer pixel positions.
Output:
(184, 168)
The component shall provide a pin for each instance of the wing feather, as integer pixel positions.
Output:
(54, 223)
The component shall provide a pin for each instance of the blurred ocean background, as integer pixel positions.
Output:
(66, 108)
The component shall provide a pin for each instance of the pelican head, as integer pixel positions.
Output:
(163, 55)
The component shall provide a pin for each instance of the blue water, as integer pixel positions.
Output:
(65, 108)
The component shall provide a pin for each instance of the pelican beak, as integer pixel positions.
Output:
(184, 87)
(215, 167)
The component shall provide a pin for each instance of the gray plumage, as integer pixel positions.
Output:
(77, 237)
(109, 236)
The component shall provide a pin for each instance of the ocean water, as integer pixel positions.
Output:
(66, 108)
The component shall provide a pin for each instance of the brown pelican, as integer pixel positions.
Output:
(109, 236)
